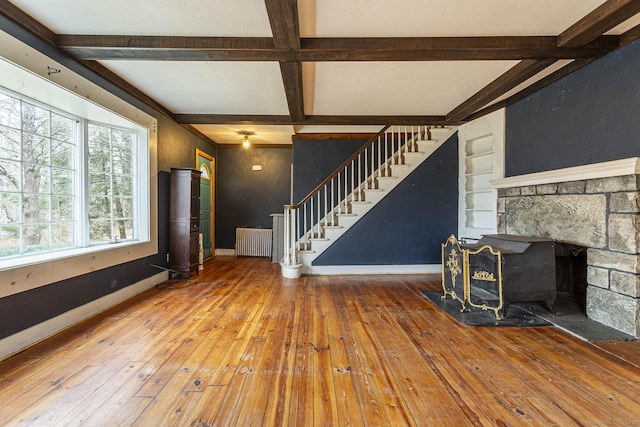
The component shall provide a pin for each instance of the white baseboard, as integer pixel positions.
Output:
(21, 340)
(372, 269)
(225, 252)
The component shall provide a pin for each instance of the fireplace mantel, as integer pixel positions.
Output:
(630, 166)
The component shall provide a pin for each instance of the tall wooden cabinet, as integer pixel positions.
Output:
(184, 220)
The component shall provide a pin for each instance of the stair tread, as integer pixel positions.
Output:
(374, 190)
(332, 227)
(347, 214)
(318, 239)
(306, 251)
(360, 202)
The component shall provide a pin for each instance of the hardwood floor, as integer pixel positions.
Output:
(242, 346)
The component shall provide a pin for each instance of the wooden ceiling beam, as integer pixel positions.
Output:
(292, 80)
(283, 18)
(599, 21)
(169, 48)
(521, 72)
(239, 119)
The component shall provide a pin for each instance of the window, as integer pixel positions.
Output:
(66, 182)
(110, 183)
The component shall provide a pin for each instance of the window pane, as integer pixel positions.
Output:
(62, 181)
(9, 208)
(9, 111)
(99, 184)
(122, 185)
(36, 179)
(35, 119)
(100, 231)
(35, 149)
(122, 142)
(123, 229)
(9, 240)
(35, 238)
(61, 128)
(122, 207)
(62, 235)
(62, 155)
(99, 160)
(9, 143)
(9, 176)
(35, 207)
(99, 136)
(99, 207)
(62, 208)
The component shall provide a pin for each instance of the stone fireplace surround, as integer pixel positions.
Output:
(596, 206)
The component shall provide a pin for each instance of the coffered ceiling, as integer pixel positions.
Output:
(280, 67)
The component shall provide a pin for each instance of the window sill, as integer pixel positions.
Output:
(28, 260)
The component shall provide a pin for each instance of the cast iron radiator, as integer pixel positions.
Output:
(254, 242)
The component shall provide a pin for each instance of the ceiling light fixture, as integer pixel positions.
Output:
(245, 142)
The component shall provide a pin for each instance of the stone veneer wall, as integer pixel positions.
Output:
(602, 214)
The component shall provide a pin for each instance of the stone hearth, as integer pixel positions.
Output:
(596, 206)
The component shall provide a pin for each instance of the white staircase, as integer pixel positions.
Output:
(322, 217)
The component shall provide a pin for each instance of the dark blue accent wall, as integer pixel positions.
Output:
(246, 198)
(589, 116)
(410, 223)
(315, 160)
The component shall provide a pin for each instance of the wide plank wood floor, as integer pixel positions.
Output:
(241, 346)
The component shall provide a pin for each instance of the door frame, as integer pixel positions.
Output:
(213, 192)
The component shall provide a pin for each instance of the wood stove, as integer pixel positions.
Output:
(528, 270)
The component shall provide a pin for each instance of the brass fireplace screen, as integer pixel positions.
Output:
(481, 289)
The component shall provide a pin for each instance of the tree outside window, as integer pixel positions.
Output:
(40, 178)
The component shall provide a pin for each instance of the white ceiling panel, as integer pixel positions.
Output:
(258, 134)
(399, 88)
(406, 18)
(246, 18)
(208, 87)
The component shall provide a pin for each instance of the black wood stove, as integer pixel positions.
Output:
(528, 270)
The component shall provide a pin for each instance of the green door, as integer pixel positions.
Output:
(205, 165)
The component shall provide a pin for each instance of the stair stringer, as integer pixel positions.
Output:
(372, 198)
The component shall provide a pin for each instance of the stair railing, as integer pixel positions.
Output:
(306, 221)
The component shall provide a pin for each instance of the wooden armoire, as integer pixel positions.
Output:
(184, 221)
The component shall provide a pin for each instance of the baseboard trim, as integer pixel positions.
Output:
(225, 252)
(19, 341)
(329, 270)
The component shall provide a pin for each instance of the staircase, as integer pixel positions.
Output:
(344, 197)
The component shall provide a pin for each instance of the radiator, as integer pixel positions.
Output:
(254, 242)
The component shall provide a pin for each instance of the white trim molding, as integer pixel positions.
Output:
(630, 166)
(329, 270)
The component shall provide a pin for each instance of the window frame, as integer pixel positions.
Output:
(141, 173)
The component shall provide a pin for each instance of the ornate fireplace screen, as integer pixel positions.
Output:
(484, 279)
(473, 277)
(453, 280)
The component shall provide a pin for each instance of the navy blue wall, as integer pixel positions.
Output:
(246, 198)
(589, 116)
(410, 223)
(314, 160)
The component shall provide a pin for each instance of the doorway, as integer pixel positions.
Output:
(206, 164)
